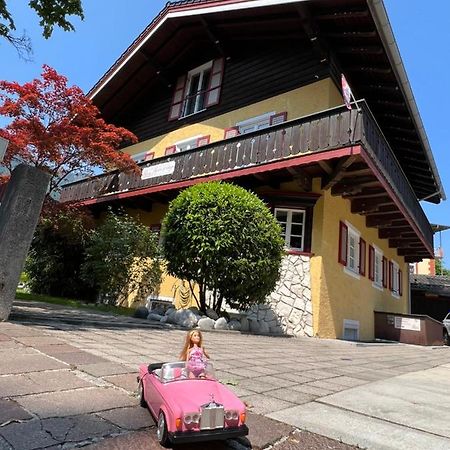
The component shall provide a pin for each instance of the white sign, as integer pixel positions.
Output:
(406, 323)
(3, 146)
(158, 171)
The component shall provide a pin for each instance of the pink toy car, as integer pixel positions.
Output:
(189, 409)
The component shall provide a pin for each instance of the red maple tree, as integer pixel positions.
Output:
(58, 129)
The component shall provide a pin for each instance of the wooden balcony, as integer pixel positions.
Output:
(344, 147)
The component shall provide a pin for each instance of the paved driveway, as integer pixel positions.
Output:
(344, 390)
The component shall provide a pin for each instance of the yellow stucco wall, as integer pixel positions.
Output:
(299, 102)
(337, 295)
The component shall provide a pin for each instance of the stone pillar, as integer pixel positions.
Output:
(19, 214)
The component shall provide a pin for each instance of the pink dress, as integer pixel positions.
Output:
(197, 361)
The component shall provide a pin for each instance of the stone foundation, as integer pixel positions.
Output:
(289, 307)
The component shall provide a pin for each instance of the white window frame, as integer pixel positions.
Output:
(255, 123)
(187, 144)
(287, 236)
(377, 268)
(395, 281)
(352, 232)
(139, 157)
(198, 70)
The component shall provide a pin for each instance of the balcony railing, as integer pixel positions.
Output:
(331, 129)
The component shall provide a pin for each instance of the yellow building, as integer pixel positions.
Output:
(250, 92)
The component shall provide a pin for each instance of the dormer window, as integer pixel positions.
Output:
(197, 90)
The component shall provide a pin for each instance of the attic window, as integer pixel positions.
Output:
(197, 90)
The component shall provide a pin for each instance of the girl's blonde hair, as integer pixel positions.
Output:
(188, 344)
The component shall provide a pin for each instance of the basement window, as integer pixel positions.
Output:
(351, 330)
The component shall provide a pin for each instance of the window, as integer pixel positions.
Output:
(143, 156)
(187, 144)
(255, 123)
(197, 90)
(352, 249)
(351, 330)
(395, 279)
(292, 222)
(376, 266)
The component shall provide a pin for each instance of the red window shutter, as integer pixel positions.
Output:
(176, 107)
(371, 263)
(149, 155)
(231, 132)
(391, 275)
(400, 280)
(215, 83)
(170, 150)
(362, 257)
(343, 239)
(278, 118)
(204, 140)
(384, 274)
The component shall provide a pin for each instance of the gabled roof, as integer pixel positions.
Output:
(357, 32)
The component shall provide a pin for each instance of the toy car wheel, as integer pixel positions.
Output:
(446, 338)
(161, 432)
(142, 401)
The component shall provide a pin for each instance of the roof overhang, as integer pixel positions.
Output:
(414, 154)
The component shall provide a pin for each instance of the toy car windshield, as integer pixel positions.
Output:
(178, 371)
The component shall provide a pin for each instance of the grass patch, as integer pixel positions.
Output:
(74, 303)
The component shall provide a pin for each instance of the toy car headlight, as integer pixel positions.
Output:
(191, 418)
(231, 415)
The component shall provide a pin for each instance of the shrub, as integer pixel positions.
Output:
(225, 239)
(122, 259)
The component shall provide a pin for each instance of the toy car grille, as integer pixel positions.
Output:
(212, 417)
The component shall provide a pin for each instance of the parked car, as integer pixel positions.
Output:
(189, 409)
(446, 323)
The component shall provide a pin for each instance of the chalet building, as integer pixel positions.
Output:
(250, 92)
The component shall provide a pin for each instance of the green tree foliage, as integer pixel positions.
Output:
(121, 259)
(225, 239)
(440, 269)
(51, 13)
(56, 254)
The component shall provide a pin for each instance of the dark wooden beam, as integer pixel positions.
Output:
(301, 177)
(413, 259)
(402, 242)
(370, 69)
(385, 233)
(326, 167)
(338, 172)
(213, 35)
(356, 35)
(412, 252)
(366, 194)
(363, 205)
(342, 15)
(390, 210)
(353, 49)
(354, 188)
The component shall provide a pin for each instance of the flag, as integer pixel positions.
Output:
(346, 92)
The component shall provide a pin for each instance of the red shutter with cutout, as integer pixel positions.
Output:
(400, 281)
(384, 273)
(204, 140)
(343, 239)
(371, 263)
(170, 150)
(149, 156)
(362, 256)
(391, 275)
(215, 83)
(176, 108)
(231, 132)
(278, 118)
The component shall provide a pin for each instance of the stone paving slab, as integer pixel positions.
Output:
(264, 431)
(36, 434)
(39, 382)
(102, 369)
(80, 401)
(126, 381)
(132, 418)
(28, 363)
(11, 411)
(263, 404)
(79, 357)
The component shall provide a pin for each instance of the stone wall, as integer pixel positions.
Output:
(289, 307)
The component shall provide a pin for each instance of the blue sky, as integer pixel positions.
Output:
(421, 29)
